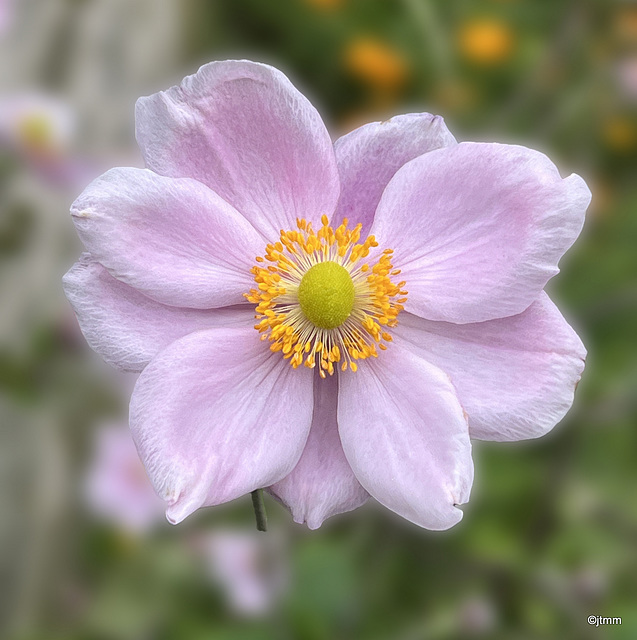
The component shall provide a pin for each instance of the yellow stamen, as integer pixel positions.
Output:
(317, 304)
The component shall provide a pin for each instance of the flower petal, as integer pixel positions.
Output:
(174, 240)
(406, 438)
(369, 156)
(515, 376)
(244, 130)
(217, 415)
(322, 484)
(478, 229)
(127, 328)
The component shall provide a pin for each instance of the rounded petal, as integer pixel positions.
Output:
(244, 130)
(406, 437)
(174, 240)
(322, 484)
(515, 376)
(369, 156)
(478, 229)
(127, 328)
(217, 415)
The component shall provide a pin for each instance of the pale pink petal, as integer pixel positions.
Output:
(478, 229)
(406, 437)
(369, 156)
(322, 484)
(244, 130)
(174, 240)
(216, 415)
(515, 376)
(126, 327)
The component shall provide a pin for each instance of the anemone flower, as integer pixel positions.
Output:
(36, 124)
(38, 128)
(396, 278)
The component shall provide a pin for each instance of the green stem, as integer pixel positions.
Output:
(259, 510)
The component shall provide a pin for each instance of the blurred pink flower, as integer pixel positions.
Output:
(6, 15)
(39, 129)
(627, 76)
(117, 487)
(250, 568)
(477, 617)
(241, 165)
(36, 125)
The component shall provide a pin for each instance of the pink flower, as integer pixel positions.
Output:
(244, 197)
(626, 72)
(7, 11)
(36, 125)
(249, 567)
(38, 129)
(117, 487)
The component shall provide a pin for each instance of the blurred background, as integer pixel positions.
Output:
(550, 535)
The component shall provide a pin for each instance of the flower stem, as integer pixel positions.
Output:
(259, 510)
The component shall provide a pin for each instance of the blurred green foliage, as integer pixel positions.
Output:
(550, 535)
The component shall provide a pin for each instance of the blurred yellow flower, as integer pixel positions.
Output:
(625, 25)
(486, 41)
(376, 63)
(620, 134)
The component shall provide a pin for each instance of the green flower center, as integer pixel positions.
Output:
(326, 295)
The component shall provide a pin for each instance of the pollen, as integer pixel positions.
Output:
(325, 298)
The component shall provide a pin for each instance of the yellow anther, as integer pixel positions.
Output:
(325, 328)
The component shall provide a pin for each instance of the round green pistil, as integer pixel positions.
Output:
(326, 295)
